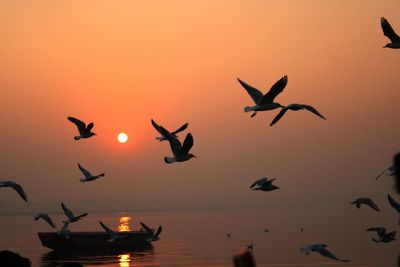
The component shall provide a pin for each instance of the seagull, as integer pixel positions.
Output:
(113, 235)
(390, 33)
(88, 176)
(389, 171)
(161, 130)
(264, 184)
(264, 102)
(366, 201)
(181, 152)
(45, 217)
(383, 235)
(394, 204)
(150, 233)
(250, 246)
(295, 107)
(321, 249)
(71, 217)
(84, 131)
(18, 188)
(64, 230)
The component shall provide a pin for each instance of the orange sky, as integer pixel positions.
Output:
(120, 63)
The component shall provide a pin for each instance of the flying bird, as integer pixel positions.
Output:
(181, 152)
(45, 217)
(71, 217)
(390, 33)
(88, 176)
(389, 171)
(18, 188)
(296, 107)
(383, 236)
(321, 249)
(264, 102)
(162, 131)
(366, 201)
(113, 235)
(151, 236)
(264, 184)
(64, 230)
(84, 131)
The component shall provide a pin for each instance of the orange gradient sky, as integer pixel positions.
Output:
(120, 63)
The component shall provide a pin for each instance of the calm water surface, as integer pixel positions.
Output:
(198, 238)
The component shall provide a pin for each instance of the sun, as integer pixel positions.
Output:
(122, 138)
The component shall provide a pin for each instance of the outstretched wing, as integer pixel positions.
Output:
(67, 211)
(187, 144)
(381, 231)
(371, 204)
(279, 116)
(259, 182)
(157, 127)
(394, 204)
(254, 93)
(148, 229)
(275, 90)
(388, 31)
(85, 172)
(106, 228)
(18, 188)
(313, 110)
(328, 254)
(89, 127)
(159, 230)
(80, 124)
(180, 129)
(47, 218)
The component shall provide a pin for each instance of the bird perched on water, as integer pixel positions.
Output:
(151, 236)
(264, 184)
(88, 176)
(295, 107)
(264, 102)
(366, 201)
(321, 249)
(45, 217)
(162, 131)
(84, 131)
(383, 236)
(112, 235)
(64, 230)
(181, 152)
(17, 187)
(391, 34)
(389, 171)
(71, 217)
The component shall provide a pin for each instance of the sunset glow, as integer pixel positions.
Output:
(122, 138)
(124, 224)
(124, 260)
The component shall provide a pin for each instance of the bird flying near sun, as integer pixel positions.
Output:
(122, 138)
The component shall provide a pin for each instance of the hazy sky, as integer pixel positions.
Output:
(120, 63)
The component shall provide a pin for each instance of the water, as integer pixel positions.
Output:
(198, 238)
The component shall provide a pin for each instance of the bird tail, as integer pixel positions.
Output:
(102, 174)
(36, 218)
(169, 160)
(248, 109)
(83, 180)
(77, 137)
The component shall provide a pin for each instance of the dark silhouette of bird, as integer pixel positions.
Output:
(84, 131)
(71, 217)
(180, 151)
(365, 201)
(151, 235)
(321, 249)
(296, 107)
(264, 184)
(17, 187)
(389, 171)
(391, 34)
(162, 131)
(383, 235)
(46, 218)
(264, 102)
(112, 235)
(88, 176)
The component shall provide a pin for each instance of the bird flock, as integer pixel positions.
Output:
(181, 153)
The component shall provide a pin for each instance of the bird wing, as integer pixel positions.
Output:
(382, 173)
(89, 127)
(157, 127)
(388, 31)
(187, 144)
(67, 211)
(279, 116)
(381, 231)
(313, 110)
(394, 204)
(326, 253)
(107, 229)
(371, 204)
(275, 90)
(306, 249)
(47, 218)
(82, 215)
(254, 93)
(148, 229)
(259, 182)
(80, 124)
(18, 188)
(84, 171)
(180, 129)
(159, 230)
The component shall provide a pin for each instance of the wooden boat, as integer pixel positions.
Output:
(94, 240)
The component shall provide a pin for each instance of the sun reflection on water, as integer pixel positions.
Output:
(124, 224)
(124, 260)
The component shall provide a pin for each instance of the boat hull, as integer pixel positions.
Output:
(94, 240)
